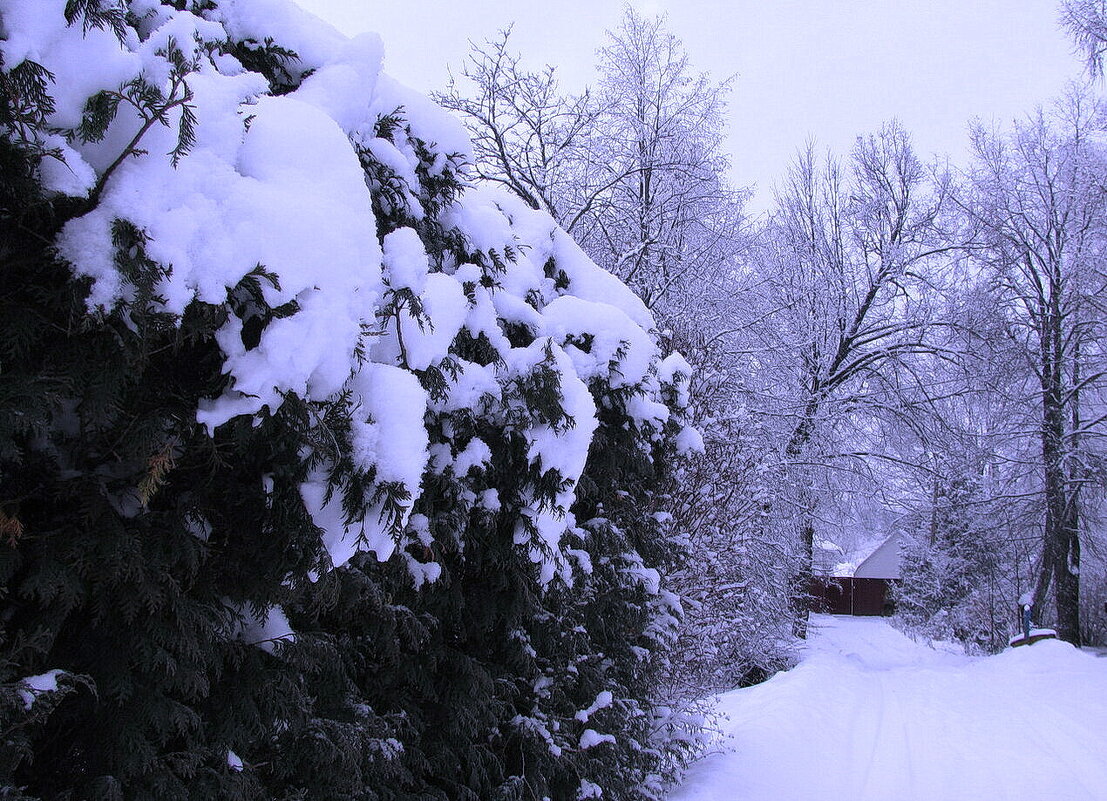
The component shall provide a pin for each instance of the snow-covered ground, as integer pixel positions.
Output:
(873, 716)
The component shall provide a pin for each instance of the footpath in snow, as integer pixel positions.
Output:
(869, 715)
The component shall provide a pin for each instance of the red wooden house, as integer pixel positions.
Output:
(867, 591)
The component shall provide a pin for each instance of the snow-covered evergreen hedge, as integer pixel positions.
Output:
(322, 473)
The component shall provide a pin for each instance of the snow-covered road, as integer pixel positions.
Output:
(870, 715)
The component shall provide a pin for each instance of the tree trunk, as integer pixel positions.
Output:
(799, 597)
(800, 600)
(1053, 540)
(1068, 568)
(1060, 547)
(1067, 583)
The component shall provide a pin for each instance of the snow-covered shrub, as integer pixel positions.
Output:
(330, 474)
(735, 584)
(958, 569)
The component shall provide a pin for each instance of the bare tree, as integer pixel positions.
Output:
(1086, 22)
(659, 212)
(526, 135)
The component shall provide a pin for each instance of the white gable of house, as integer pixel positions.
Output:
(883, 563)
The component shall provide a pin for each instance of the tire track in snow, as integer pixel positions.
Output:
(871, 716)
(873, 747)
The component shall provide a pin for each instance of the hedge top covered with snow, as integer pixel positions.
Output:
(226, 177)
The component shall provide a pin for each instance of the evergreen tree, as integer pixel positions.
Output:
(955, 581)
(226, 575)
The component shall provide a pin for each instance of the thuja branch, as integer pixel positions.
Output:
(179, 96)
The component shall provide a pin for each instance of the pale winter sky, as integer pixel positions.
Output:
(827, 69)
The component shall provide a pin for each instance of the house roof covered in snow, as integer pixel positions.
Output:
(883, 563)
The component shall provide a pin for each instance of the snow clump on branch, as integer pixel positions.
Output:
(232, 186)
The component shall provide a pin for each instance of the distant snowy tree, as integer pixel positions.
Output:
(958, 548)
(1035, 198)
(1085, 21)
(659, 212)
(842, 285)
(526, 135)
(634, 170)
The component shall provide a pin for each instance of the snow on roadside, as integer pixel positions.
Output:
(869, 714)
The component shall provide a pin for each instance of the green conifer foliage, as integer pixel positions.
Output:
(197, 637)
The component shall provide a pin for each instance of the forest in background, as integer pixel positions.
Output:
(335, 464)
(893, 348)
